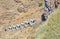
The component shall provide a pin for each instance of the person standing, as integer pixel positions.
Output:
(46, 5)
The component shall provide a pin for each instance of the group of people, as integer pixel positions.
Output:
(21, 26)
(48, 8)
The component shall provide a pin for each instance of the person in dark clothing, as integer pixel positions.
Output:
(43, 17)
(47, 6)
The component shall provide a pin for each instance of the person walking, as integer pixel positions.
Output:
(47, 6)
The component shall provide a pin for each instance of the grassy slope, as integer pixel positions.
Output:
(51, 28)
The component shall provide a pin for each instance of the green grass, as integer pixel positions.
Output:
(51, 28)
(39, 4)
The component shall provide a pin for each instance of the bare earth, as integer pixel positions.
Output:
(14, 12)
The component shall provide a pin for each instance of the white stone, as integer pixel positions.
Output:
(18, 26)
(13, 27)
(22, 26)
(26, 23)
(31, 21)
(9, 28)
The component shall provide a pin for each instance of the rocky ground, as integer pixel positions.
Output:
(14, 12)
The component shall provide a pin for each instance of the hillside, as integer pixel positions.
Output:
(15, 13)
(51, 28)
(19, 19)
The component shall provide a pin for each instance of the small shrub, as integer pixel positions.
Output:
(39, 4)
